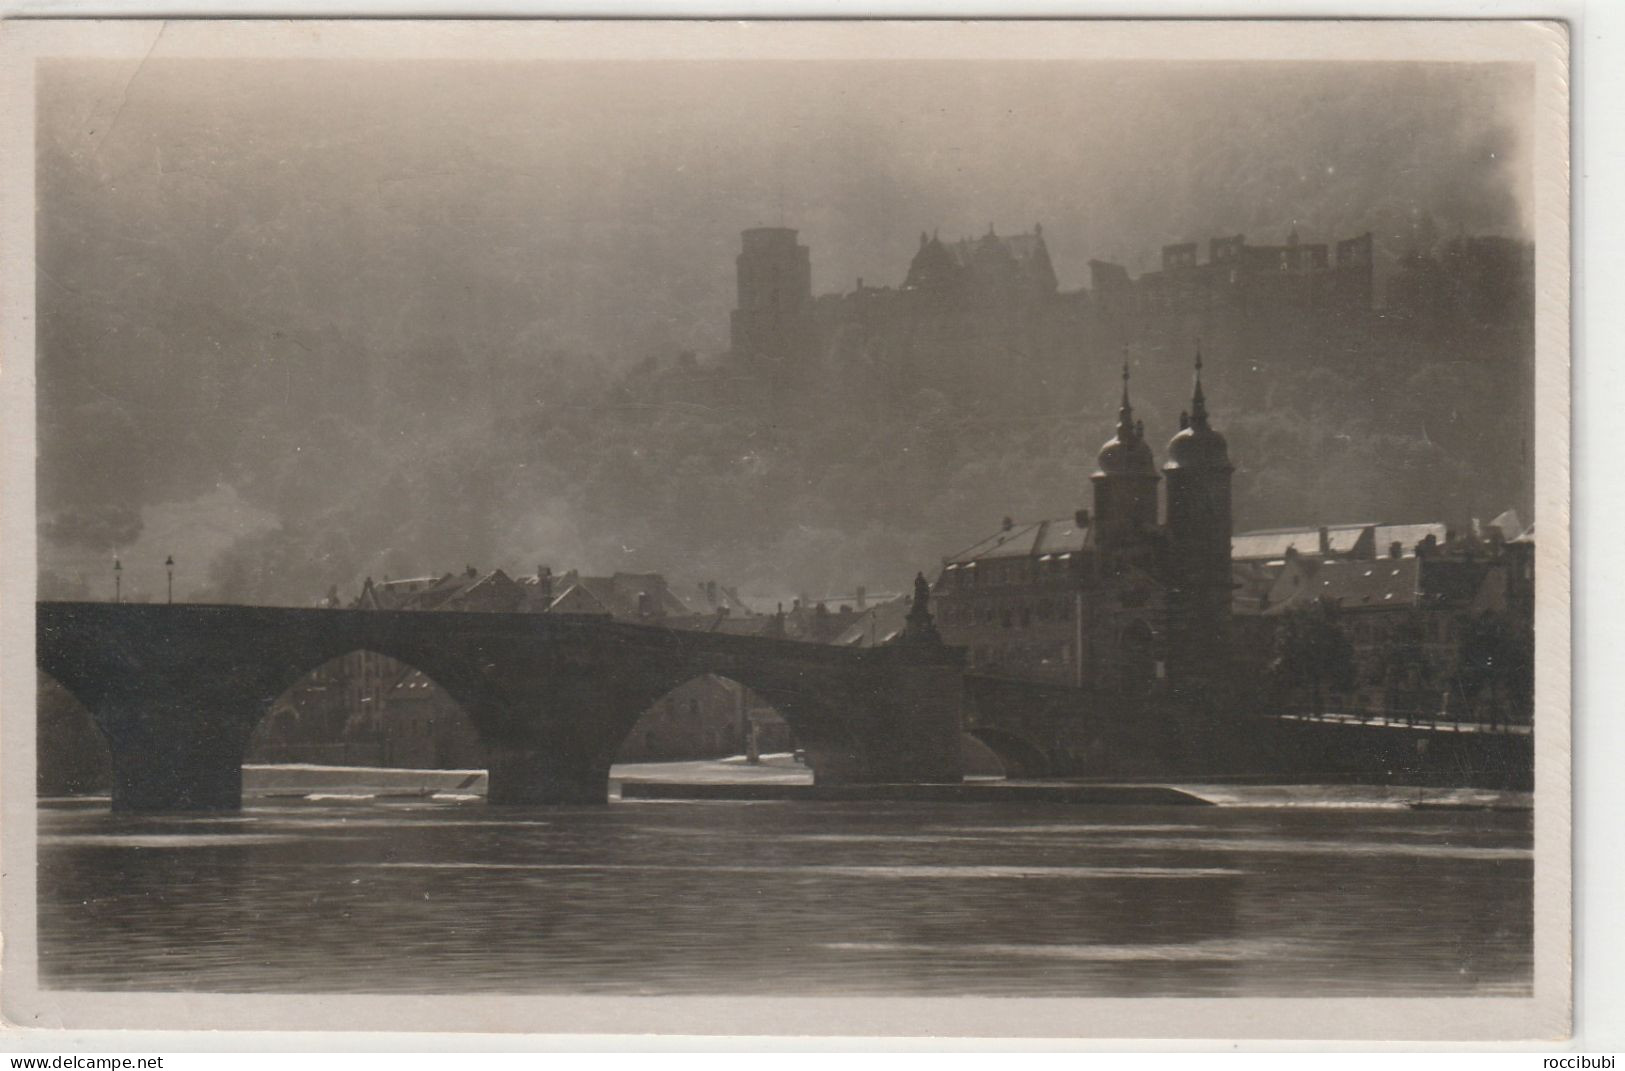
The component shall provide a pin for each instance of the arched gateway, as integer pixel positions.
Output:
(179, 689)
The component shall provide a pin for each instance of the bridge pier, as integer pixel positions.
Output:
(194, 766)
(844, 765)
(909, 731)
(542, 775)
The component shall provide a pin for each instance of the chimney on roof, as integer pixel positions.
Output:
(1081, 518)
(471, 572)
(1427, 546)
(711, 592)
(863, 597)
(1009, 524)
(1396, 549)
(544, 583)
(1325, 541)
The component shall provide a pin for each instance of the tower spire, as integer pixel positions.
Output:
(1198, 401)
(1125, 413)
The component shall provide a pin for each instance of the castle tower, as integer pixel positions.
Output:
(1125, 481)
(770, 332)
(1199, 579)
(775, 288)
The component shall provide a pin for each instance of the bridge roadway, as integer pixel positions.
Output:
(178, 689)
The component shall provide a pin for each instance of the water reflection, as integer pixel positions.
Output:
(708, 898)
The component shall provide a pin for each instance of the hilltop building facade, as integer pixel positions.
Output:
(984, 320)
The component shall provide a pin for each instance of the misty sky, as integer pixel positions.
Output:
(196, 213)
(382, 196)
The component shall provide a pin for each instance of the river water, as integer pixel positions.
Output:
(1367, 898)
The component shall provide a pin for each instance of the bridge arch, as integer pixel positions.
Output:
(72, 755)
(177, 692)
(551, 717)
(371, 709)
(1020, 756)
(812, 715)
(709, 716)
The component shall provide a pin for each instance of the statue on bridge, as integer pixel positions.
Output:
(920, 628)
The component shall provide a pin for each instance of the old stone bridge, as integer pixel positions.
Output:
(177, 690)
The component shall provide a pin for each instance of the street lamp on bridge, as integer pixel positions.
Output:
(169, 565)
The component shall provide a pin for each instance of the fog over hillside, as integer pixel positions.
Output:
(301, 322)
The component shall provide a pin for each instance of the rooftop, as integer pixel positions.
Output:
(1027, 539)
(1380, 583)
(1384, 582)
(1367, 540)
(879, 624)
(1019, 247)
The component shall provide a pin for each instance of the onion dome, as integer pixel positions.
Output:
(1126, 453)
(1197, 446)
